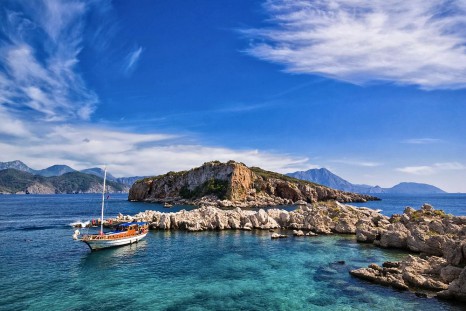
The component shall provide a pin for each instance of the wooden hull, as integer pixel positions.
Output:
(103, 243)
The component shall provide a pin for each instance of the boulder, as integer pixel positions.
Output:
(395, 236)
(298, 233)
(278, 236)
(456, 289)
(450, 273)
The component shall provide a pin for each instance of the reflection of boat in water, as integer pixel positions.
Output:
(167, 205)
(125, 233)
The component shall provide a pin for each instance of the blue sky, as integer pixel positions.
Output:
(373, 90)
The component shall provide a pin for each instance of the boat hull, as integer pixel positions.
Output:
(101, 244)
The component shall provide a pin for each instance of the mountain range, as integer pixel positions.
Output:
(324, 177)
(18, 182)
(58, 170)
(17, 177)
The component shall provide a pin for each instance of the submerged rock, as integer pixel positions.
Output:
(278, 236)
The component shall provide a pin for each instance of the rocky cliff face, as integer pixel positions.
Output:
(234, 184)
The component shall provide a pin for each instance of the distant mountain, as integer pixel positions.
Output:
(17, 165)
(15, 181)
(58, 170)
(324, 177)
(54, 170)
(412, 187)
(129, 181)
(98, 172)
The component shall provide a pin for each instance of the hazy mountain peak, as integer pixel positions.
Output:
(97, 171)
(324, 177)
(16, 164)
(55, 170)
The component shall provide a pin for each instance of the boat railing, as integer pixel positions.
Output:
(113, 236)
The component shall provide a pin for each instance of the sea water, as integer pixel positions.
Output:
(392, 203)
(42, 268)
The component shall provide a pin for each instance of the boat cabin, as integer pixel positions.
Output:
(132, 227)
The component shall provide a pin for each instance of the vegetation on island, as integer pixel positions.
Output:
(79, 182)
(12, 180)
(213, 186)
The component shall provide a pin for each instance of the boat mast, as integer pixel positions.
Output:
(103, 203)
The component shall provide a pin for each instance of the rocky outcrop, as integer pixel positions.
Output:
(233, 184)
(441, 240)
(430, 276)
(413, 273)
(40, 188)
(326, 218)
(427, 231)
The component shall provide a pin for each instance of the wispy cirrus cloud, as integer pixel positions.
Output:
(422, 141)
(405, 42)
(132, 59)
(38, 61)
(432, 169)
(41, 80)
(353, 162)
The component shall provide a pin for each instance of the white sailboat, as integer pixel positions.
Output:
(125, 233)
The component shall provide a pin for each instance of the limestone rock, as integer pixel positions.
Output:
(298, 233)
(456, 289)
(278, 236)
(450, 273)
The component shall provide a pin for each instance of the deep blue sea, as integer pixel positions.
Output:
(42, 268)
(451, 203)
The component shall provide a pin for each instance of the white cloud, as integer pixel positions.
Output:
(38, 61)
(128, 153)
(422, 141)
(417, 170)
(11, 126)
(132, 59)
(406, 42)
(432, 169)
(357, 162)
(453, 166)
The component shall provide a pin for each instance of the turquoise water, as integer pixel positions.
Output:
(42, 268)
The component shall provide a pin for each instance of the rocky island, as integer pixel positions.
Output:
(225, 192)
(233, 184)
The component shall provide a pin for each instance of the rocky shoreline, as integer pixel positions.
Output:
(440, 239)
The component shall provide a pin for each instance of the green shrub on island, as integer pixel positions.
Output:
(213, 186)
(13, 181)
(79, 182)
